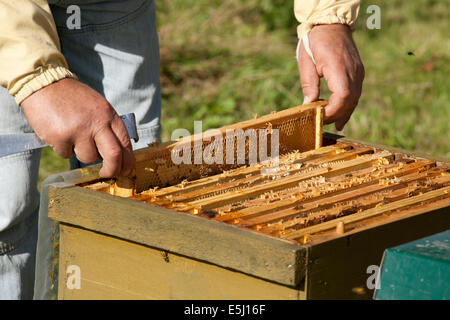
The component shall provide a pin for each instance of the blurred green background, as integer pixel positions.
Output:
(222, 61)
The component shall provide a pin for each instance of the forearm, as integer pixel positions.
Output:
(30, 56)
(314, 12)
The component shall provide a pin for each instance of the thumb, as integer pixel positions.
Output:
(309, 77)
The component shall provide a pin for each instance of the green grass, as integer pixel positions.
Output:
(50, 164)
(223, 61)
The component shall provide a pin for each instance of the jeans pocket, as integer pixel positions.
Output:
(77, 16)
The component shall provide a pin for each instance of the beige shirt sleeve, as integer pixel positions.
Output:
(30, 55)
(312, 12)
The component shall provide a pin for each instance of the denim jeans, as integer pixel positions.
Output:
(115, 51)
(19, 203)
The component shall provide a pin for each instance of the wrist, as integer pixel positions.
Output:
(42, 78)
(46, 93)
(333, 27)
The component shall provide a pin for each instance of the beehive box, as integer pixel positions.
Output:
(308, 229)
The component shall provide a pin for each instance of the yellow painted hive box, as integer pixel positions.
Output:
(309, 228)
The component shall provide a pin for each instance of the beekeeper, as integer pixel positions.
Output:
(69, 85)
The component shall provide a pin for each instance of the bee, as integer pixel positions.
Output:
(165, 256)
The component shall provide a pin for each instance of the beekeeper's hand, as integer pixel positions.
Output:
(337, 60)
(72, 117)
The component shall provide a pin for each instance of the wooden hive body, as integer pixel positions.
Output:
(308, 230)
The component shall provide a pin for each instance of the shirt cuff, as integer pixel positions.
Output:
(305, 27)
(42, 77)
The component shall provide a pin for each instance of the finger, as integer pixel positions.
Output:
(339, 110)
(110, 150)
(121, 133)
(86, 150)
(346, 113)
(342, 100)
(341, 122)
(309, 77)
(64, 150)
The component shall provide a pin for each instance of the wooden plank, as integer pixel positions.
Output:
(375, 221)
(344, 156)
(113, 268)
(234, 196)
(239, 182)
(238, 173)
(287, 198)
(319, 126)
(443, 192)
(351, 193)
(335, 138)
(124, 187)
(253, 211)
(218, 243)
(279, 116)
(350, 207)
(102, 186)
